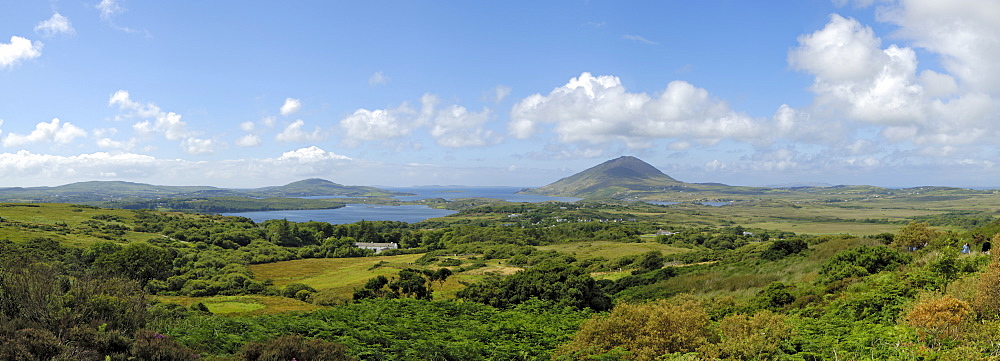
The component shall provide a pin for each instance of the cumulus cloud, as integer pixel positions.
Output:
(55, 25)
(456, 127)
(158, 121)
(84, 166)
(858, 79)
(378, 78)
(378, 124)
(598, 109)
(311, 154)
(18, 50)
(54, 131)
(291, 106)
(294, 133)
(249, 140)
(198, 146)
(452, 126)
(108, 143)
(965, 33)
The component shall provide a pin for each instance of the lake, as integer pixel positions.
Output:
(407, 213)
(351, 213)
(713, 204)
(452, 193)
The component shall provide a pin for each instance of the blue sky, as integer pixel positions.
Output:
(244, 94)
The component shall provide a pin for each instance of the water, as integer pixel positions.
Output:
(452, 193)
(406, 213)
(351, 213)
(713, 204)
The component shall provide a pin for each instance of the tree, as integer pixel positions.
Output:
(986, 302)
(139, 261)
(650, 261)
(756, 337)
(915, 235)
(938, 320)
(645, 331)
(783, 248)
(566, 285)
(862, 261)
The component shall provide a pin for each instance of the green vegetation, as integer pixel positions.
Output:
(612, 280)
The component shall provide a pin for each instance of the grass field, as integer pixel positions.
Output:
(242, 305)
(25, 221)
(610, 250)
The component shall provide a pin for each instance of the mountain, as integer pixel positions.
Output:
(321, 187)
(105, 191)
(612, 179)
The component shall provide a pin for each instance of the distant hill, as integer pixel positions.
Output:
(321, 187)
(611, 178)
(630, 178)
(108, 191)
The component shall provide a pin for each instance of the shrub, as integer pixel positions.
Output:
(646, 331)
(293, 347)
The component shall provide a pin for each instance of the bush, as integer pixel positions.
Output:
(152, 346)
(293, 347)
(862, 261)
(641, 331)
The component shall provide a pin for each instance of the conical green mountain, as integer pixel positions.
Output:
(609, 179)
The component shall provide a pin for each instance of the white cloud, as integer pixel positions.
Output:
(291, 106)
(109, 8)
(379, 124)
(108, 143)
(598, 110)
(268, 121)
(249, 140)
(500, 93)
(311, 154)
(452, 126)
(378, 78)
(19, 49)
(857, 79)
(167, 123)
(247, 126)
(294, 133)
(639, 38)
(51, 132)
(964, 33)
(198, 146)
(25, 164)
(456, 127)
(55, 25)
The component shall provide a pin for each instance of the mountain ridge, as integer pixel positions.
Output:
(96, 191)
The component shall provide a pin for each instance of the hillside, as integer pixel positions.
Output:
(623, 174)
(96, 192)
(629, 178)
(321, 187)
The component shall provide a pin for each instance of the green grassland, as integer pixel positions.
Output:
(610, 250)
(70, 224)
(243, 305)
(337, 278)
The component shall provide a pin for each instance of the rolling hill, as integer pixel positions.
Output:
(105, 191)
(611, 178)
(631, 178)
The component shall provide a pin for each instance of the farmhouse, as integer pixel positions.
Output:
(378, 247)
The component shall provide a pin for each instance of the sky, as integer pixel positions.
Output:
(893, 93)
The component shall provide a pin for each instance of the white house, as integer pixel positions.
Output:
(378, 247)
